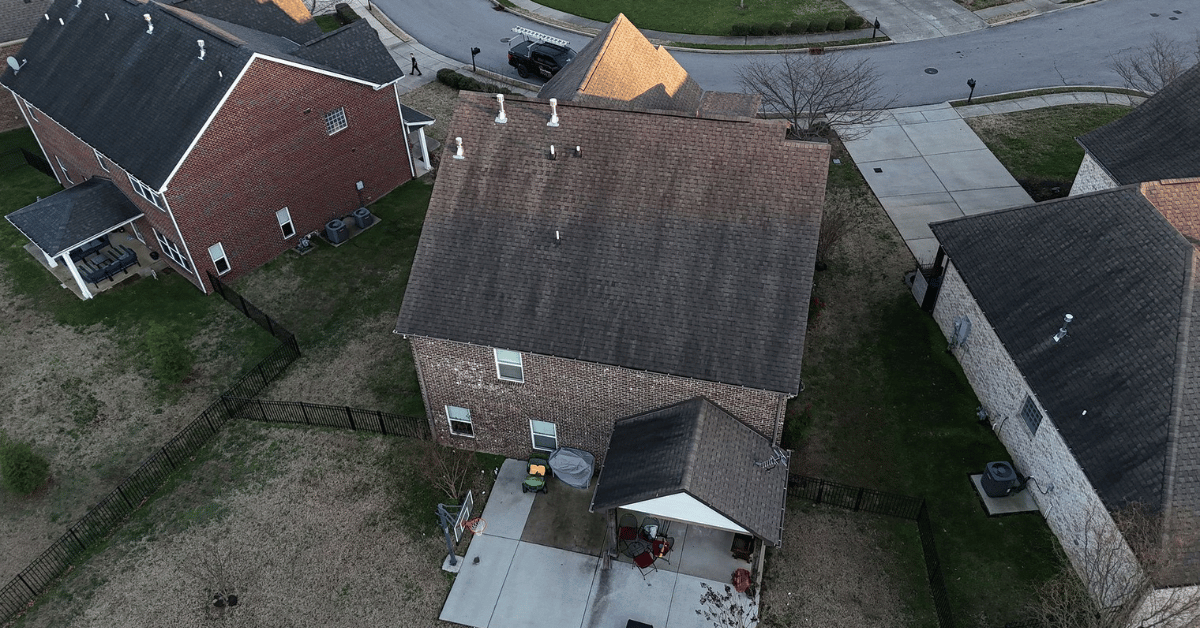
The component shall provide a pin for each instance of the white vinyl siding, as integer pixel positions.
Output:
(285, 223)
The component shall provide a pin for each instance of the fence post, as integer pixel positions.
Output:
(264, 379)
(261, 410)
(858, 499)
(81, 545)
(168, 457)
(121, 492)
(304, 411)
(350, 415)
(382, 428)
(820, 491)
(22, 579)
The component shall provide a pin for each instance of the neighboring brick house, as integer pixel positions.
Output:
(233, 141)
(1159, 139)
(1107, 414)
(18, 17)
(620, 69)
(581, 264)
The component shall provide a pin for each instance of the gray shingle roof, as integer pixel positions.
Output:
(695, 447)
(1111, 260)
(675, 244)
(1159, 139)
(284, 18)
(73, 216)
(140, 98)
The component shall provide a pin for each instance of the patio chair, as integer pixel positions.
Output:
(627, 530)
(646, 523)
(645, 563)
(662, 548)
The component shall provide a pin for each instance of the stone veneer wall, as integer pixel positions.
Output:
(582, 399)
(1091, 177)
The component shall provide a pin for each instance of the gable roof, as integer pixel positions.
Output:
(1119, 267)
(620, 68)
(283, 18)
(141, 98)
(674, 244)
(73, 216)
(695, 447)
(1159, 139)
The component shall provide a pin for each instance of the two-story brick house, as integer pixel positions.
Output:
(581, 264)
(232, 139)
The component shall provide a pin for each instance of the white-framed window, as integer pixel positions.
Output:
(100, 160)
(460, 421)
(29, 108)
(285, 223)
(336, 120)
(509, 366)
(146, 192)
(63, 167)
(545, 435)
(217, 253)
(1031, 414)
(172, 250)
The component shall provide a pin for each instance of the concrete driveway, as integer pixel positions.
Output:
(914, 20)
(925, 164)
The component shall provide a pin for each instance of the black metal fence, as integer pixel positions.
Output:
(902, 506)
(251, 311)
(300, 413)
(16, 157)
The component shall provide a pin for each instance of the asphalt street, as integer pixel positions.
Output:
(1073, 46)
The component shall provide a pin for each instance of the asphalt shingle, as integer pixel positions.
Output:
(73, 216)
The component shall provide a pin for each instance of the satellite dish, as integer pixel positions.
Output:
(12, 63)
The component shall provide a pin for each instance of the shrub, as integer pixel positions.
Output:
(854, 21)
(170, 358)
(450, 78)
(739, 30)
(799, 27)
(836, 24)
(777, 28)
(816, 26)
(23, 470)
(758, 30)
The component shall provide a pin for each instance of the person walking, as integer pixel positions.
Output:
(415, 70)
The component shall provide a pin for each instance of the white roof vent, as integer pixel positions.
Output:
(553, 112)
(1062, 331)
(78, 3)
(149, 24)
(458, 152)
(200, 42)
(501, 119)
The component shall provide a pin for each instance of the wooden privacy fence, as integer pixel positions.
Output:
(300, 413)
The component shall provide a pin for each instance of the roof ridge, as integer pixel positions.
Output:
(608, 33)
(1179, 385)
(200, 22)
(331, 33)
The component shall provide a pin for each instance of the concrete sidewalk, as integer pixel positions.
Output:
(925, 164)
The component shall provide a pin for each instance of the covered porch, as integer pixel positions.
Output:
(419, 145)
(86, 237)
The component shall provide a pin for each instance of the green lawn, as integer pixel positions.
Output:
(702, 17)
(1040, 145)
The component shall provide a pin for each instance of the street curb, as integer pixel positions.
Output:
(1094, 89)
(387, 23)
(1061, 7)
(493, 76)
(782, 51)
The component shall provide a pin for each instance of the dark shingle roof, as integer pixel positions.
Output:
(675, 244)
(695, 447)
(141, 98)
(284, 18)
(1111, 260)
(354, 49)
(1159, 139)
(621, 69)
(412, 117)
(73, 216)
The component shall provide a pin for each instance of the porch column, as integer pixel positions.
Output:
(424, 148)
(49, 258)
(66, 258)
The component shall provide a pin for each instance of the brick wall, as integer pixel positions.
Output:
(581, 398)
(1091, 177)
(18, 17)
(62, 148)
(1073, 504)
(268, 149)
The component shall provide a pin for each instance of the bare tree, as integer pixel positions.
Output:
(1150, 67)
(1108, 588)
(727, 609)
(448, 470)
(844, 212)
(318, 7)
(809, 90)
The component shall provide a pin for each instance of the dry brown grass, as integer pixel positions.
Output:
(302, 529)
(436, 100)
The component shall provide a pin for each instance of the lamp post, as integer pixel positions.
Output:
(874, 27)
(971, 84)
(474, 51)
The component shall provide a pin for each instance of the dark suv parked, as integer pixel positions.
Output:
(533, 57)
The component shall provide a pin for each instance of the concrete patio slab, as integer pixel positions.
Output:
(937, 115)
(560, 518)
(705, 553)
(910, 117)
(915, 225)
(885, 142)
(477, 587)
(970, 170)
(924, 250)
(1056, 100)
(991, 199)
(1004, 106)
(508, 508)
(620, 594)
(545, 587)
(899, 177)
(944, 136)
(686, 601)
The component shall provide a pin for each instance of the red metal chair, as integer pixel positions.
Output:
(645, 563)
(627, 531)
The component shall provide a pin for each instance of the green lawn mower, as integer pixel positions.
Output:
(537, 471)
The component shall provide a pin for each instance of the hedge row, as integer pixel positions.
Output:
(798, 27)
(449, 77)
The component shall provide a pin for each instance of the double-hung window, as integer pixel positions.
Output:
(545, 435)
(172, 250)
(146, 192)
(285, 223)
(460, 421)
(509, 366)
(217, 253)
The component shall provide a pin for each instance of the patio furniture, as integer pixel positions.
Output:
(627, 530)
(637, 547)
(645, 563)
(661, 548)
(741, 580)
(743, 546)
(650, 527)
(88, 249)
(94, 275)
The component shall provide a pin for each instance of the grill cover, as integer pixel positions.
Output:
(573, 466)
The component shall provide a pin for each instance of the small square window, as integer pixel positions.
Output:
(217, 253)
(1031, 414)
(285, 223)
(100, 160)
(545, 435)
(509, 366)
(336, 120)
(460, 421)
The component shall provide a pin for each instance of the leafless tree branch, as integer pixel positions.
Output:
(1150, 67)
(447, 469)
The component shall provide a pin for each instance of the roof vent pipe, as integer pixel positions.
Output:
(501, 119)
(200, 42)
(1062, 331)
(149, 24)
(553, 112)
(578, 151)
(78, 3)
(47, 16)
(458, 152)
(106, 18)
(552, 156)
(61, 23)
